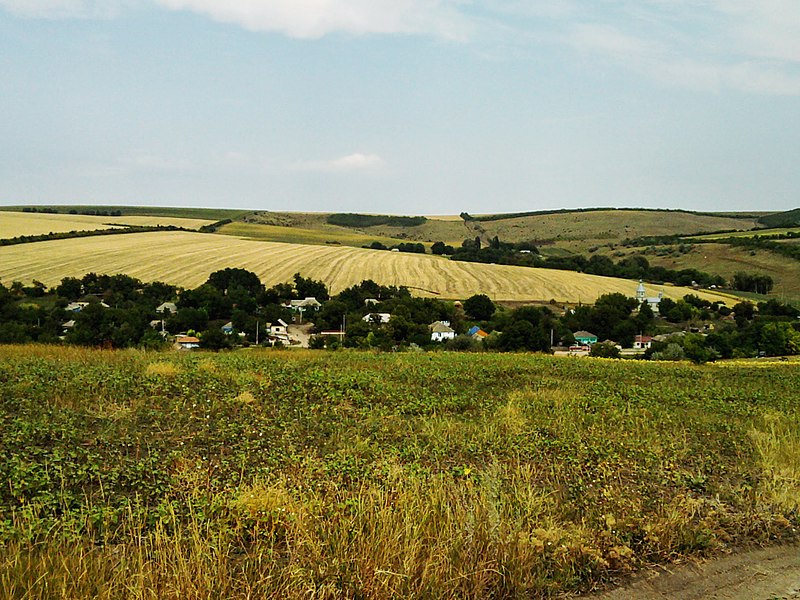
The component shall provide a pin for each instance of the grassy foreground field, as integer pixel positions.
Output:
(331, 475)
(186, 259)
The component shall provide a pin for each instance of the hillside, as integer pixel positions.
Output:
(186, 259)
(13, 224)
(575, 230)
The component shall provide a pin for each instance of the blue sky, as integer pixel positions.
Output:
(401, 106)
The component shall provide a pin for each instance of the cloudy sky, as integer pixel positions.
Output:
(401, 106)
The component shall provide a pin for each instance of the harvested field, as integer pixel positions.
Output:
(186, 259)
(13, 224)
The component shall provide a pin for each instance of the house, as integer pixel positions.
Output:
(167, 307)
(370, 301)
(642, 342)
(379, 318)
(309, 303)
(187, 342)
(585, 338)
(477, 333)
(279, 328)
(652, 302)
(278, 332)
(227, 329)
(65, 327)
(441, 332)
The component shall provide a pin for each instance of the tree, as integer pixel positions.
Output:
(214, 339)
(604, 350)
(309, 288)
(231, 278)
(522, 335)
(479, 307)
(70, 288)
(743, 312)
(778, 339)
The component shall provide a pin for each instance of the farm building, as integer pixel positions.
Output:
(585, 338)
(441, 332)
(642, 342)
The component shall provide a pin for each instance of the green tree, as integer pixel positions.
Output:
(214, 339)
(479, 307)
(604, 350)
(309, 288)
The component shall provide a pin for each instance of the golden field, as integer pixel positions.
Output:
(14, 224)
(187, 258)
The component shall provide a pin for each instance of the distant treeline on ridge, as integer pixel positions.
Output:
(358, 220)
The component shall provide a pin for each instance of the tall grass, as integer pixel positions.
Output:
(314, 475)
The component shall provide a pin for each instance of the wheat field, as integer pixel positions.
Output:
(13, 224)
(187, 258)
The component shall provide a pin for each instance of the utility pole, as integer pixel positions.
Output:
(256, 332)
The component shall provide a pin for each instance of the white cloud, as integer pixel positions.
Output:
(351, 162)
(316, 18)
(742, 45)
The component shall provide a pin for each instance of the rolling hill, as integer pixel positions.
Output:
(186, 259)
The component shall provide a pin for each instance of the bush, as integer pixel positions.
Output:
(604, 350)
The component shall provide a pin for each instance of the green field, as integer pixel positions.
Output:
(585, 227)
(747, 234)
(354, 475)
(324, 235)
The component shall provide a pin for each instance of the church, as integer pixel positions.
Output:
(652, 302)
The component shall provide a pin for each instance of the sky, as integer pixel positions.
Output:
(401, 106)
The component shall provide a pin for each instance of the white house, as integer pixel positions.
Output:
(379, 318)
(642, 342)
(167, 307)
(441, 332)
(278, 332)
(79, 306)
(187, 342)
(309, 303)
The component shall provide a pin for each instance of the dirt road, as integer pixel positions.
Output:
(764, 574)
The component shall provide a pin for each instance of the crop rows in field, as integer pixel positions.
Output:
(14, 224)
(186, 259)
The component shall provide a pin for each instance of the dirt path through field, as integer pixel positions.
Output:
(766, 574)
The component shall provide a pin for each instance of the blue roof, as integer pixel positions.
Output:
(474, 330)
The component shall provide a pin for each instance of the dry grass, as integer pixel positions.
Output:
(594, 227)
(187, 259)
(13, 224)
(325, 234)
(558, 476)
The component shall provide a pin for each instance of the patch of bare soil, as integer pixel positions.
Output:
(764, 574)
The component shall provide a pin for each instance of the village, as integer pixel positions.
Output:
(234, 310)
